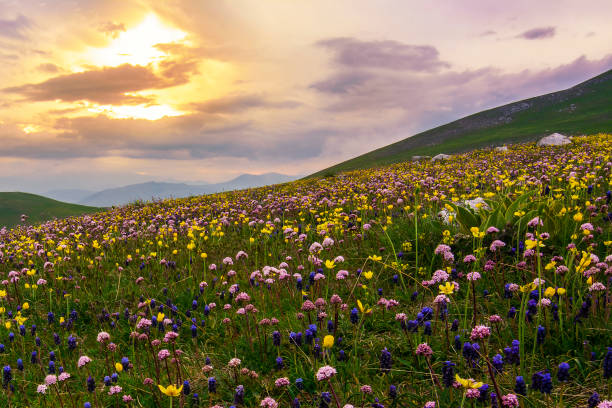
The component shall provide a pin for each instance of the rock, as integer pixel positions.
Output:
(440, 156)
(501, 148)
(417, 158)
(445, 215)
(476, 204)
(555, 139)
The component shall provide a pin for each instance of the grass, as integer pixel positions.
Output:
(171, 292)
(37, 208)
(546, 114)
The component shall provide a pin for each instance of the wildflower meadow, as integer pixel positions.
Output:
(478, 281)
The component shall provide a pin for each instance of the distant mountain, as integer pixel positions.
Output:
(69, 195)
(37, 208)
(582, 109)
(155, 190)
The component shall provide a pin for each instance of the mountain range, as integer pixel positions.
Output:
(157, 190)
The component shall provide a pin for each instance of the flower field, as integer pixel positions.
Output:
(478, 281)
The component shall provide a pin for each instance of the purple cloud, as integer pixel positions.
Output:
(538, 33)
(15, 28)
(386, 54)
(240, 103)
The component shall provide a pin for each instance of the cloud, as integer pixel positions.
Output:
(107, 85)
(487, 33)
(194, 136)
(386, 54)
(241, 103)
(343, 82)
(538, 33)
(412, 102)
(49, 68)
(111, 29)
(15, 28)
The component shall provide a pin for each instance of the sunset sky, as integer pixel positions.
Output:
(97, 94)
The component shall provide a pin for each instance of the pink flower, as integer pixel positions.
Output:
(472, 393)
(495, 318)
(115, 389)
(282, 382)
(143, 323)
(430, 404)
(170, 337)
(163, 354)
(495, 245)
(423, 349)
(509, 400)
(50, 379)
(83, 360)
(342, 274)
(480, 332)
(234, 362)
(535, 222)
(41, 389)
(127, 398)
(63, 376)
(103, 337)
(473, 276)
(308, 305)
(268, 402)
(469, 259)
(366, 389)
(325, 373)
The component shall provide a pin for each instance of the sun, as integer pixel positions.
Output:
(136, 45)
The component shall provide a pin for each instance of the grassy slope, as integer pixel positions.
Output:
(546, 114)
(38, 208)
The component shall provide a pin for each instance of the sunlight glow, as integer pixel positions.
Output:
(147, 112)
(137, 45)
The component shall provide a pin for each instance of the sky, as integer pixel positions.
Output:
(103, 93)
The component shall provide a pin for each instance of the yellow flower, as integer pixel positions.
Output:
(368, 275)
(578, 217)
(160, 316)
(549, 292)
(170, 390)
(447, 289)
(560, 291)
(329, 264)
(375, 258)
(7, 324)
(204, 255)
(468, 383)
(118, 367)
(362, 309)
(328, 341)
(25, 306)
(2, 293)
(528, 287)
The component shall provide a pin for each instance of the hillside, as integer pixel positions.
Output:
(581, 109)
(37, 208)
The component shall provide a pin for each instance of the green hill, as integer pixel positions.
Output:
(37, 208)
(582, 109)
